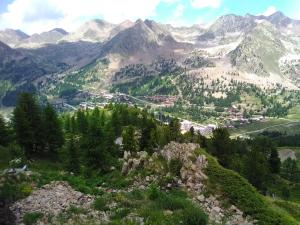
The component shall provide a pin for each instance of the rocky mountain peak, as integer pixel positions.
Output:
(279, 19)
(59, 30)
(12, 37)
(231, 23)
(94, 31)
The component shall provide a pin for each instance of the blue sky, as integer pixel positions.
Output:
(40, 15)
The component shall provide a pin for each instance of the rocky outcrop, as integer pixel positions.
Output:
(191, 172)
(52, 199)
(193, 178)
(133, 161)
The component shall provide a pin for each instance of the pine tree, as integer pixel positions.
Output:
(129, 140)
(4, 133)
(174, 127)
(221, 146)
(148, 138)
(274, 161)
(28, 125)
(256, 169)
(290, 170)
(82, 122)
(109, 140)
(73, 164)
(53, 132)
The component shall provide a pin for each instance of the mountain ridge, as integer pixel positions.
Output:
(254, 47)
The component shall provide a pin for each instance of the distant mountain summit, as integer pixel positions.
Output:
(12, 37)
(49, 37)
(141, 37)
(94, 30)
(230, 24)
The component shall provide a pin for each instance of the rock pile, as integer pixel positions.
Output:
(51, 199)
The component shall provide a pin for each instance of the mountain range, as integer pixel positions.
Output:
(259, 50)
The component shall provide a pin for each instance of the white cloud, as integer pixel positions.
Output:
(176, 17)
(269, 11)
(37, 15)
(171, 1)
(206, 3)
(178, 12)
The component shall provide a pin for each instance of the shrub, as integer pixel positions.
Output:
(32, 218)
(100, 204)
(121, 213)
(174, 167)
(153, 192)
(26, 189)
(171, 202)
(194, 216)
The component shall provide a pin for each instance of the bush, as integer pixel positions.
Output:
(194, 216)
(100, 204)
(175, 166)
(32, 218)
(153, 192)
(171, 202)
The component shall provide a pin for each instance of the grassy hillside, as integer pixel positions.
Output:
(237, 191)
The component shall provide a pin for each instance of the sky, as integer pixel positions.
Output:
(36, 16)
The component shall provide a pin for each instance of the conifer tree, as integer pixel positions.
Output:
(148, 138)
(174, 126)
(28, 125)
(274, 161)
(73, 164)
(129, 140)
(53, 132)
(256, 169)
(82, 122)
(4, 132)
(221, 146)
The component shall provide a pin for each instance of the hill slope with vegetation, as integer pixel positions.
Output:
(119, 165)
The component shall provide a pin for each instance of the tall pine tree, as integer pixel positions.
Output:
(53, 132)
(4, 132)
(73, 164)
(129, 140)
(28, 125)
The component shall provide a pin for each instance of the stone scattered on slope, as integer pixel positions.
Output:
(51, 199)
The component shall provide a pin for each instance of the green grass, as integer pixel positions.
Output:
(157, 207)
(289, 128)
(235, 190)
(294, 113)
(289, 207)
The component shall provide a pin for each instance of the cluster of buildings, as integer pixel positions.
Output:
(202, 129)
(164, 100)
(237, 116)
